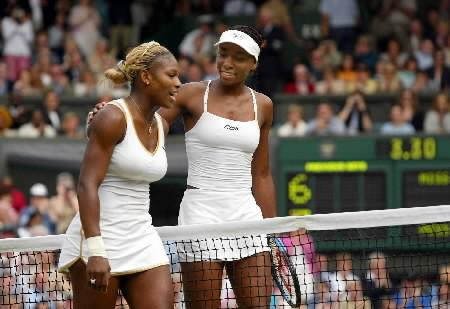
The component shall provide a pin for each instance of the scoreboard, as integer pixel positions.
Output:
(324, 175)
(341, 174)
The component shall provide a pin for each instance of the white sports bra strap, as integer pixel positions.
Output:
(205, 97)
(255, 107)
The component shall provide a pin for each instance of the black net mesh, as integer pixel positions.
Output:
(388, 267)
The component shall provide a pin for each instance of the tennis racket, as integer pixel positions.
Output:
(283, 272)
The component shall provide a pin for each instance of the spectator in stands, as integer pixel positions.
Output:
(52, 111)
(344, 273)
(394, 53)
(316, 64)
(18, 199)
(42, 67)
(424, 55)
(339, 21)
(347, 71)
(397, 125)
(64, 205)
(101, 59)
(330, 85)
(441, 292)
(365, 52)
(422, 83)
(388, 78)
(325, 123)
(71, 126)
(200, 41)
(442, 33)
(86, 86)
(74, 66)
(439, 74)
(412, 112)
(377, 282)
(281, 17)
(36, 127)
(407, 75)
(437, 120)
(37, 212)
(416, 35)
(270, 68)
(28, 84)
(194, 73)
(17, 110)
(393, 19)
(323, 296)
(59, 81)
(8, 216)
(84, 21)
(329, 53)
(447, 52)
(409, 294)
(295, 125)
(355, 114)
(354, 297)
(18, 35)
(302, 84)
(121, 30)
(6, 122)
(208, 65)
(56, 34)
(363, 81)
(4, 87)
(239, 8)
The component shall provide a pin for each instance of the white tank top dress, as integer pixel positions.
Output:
(132, 243)
(220, 153)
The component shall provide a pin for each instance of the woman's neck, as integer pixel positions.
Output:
(144, 104)
(231, 90)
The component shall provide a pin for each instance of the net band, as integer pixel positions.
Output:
(320, 222)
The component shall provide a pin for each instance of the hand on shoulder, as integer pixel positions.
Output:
(109, 124)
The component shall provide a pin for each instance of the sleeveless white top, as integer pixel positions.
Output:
(220, 153)
(132, 244)
(220, 150)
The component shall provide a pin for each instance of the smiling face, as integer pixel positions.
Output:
(162, 80)
(234, 63)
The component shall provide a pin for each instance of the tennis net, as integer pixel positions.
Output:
(397, 258)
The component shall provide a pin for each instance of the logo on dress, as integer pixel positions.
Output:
(231, 128)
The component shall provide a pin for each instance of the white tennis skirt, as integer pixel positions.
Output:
(200, 206)
(132, 246)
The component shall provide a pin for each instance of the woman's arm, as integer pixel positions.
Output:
(263, 187)
(106, 130)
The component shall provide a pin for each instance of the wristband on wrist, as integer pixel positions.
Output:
(96, 247)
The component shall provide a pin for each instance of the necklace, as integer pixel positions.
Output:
(142, 114)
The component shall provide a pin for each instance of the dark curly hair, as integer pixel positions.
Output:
(252, 32)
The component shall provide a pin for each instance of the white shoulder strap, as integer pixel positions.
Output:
(159, 123)
(205, 97)
(255, 106)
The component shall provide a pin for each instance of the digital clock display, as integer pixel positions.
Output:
(410, 148)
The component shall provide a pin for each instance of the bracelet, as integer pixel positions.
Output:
(96, 247)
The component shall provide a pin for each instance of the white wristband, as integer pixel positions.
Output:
(96, 246)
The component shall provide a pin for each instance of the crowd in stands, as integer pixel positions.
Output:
(60, 48)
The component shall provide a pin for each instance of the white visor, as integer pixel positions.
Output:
(241, 39)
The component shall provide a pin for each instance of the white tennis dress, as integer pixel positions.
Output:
(220, 153)
(132, 243)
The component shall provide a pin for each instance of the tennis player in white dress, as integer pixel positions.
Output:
(111, 243)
